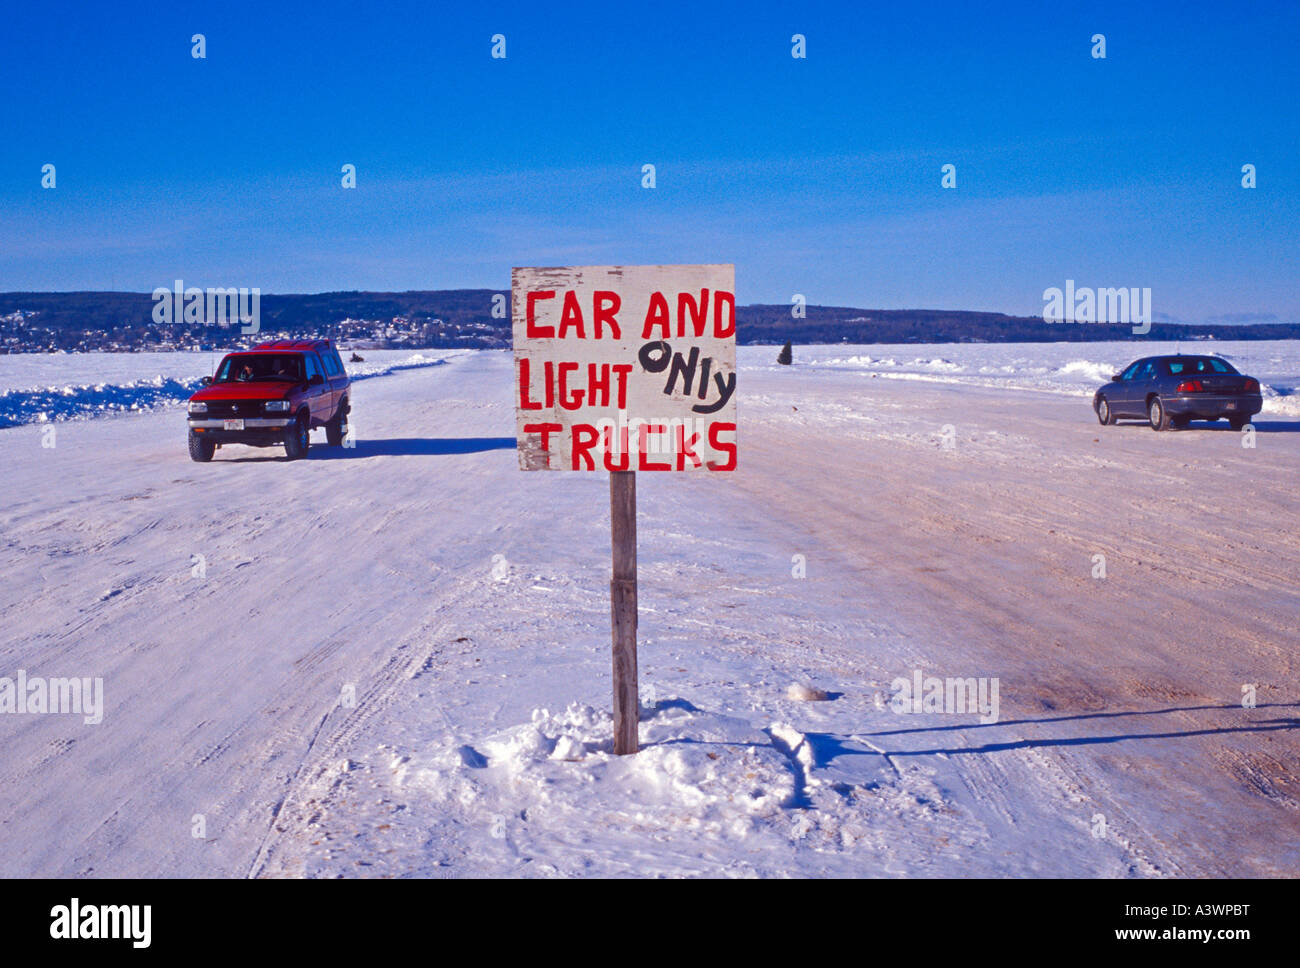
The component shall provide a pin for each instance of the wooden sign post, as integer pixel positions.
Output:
(625, 369)
(622, 600)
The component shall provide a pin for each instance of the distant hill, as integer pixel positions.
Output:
(837, 324)
(31, 321)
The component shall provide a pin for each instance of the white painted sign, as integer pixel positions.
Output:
(625, 368)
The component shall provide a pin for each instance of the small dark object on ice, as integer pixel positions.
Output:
(785, 357)
(356, 359)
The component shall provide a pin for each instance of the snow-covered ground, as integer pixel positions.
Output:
(394, 660)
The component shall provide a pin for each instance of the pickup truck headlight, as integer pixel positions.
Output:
(198, 406)
(277, 406)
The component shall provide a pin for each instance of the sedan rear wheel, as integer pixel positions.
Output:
(1157, 415)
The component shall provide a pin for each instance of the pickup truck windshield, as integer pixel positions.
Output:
(246, 367)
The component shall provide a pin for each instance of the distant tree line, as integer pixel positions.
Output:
(445, 317)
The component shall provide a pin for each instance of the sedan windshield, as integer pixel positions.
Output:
(246, 367)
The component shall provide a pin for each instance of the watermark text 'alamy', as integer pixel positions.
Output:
(1104, 305)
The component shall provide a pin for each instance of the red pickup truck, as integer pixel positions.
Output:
(272, 395)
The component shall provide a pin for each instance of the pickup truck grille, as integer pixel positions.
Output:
(235, 408)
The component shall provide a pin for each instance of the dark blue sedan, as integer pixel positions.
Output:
(1171, 391)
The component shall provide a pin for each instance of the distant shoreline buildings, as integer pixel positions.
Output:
(21, 331)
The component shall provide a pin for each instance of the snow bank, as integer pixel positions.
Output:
(707, 793)
(721, 768)
(1049, 367)
(70, 401)
(64, 386)
(1086, 370)
(369, 370)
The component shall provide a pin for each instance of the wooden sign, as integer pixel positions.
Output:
(625, 368)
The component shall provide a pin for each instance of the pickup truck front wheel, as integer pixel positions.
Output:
(201, 449)
(297, 439)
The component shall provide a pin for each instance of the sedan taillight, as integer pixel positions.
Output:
(1252, 385)
(1189, 386)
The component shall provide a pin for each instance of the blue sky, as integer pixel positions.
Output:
(818, 176)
